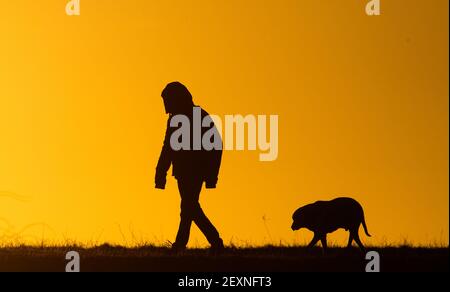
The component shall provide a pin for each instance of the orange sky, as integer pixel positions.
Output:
(362, 104)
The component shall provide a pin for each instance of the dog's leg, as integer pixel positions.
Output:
(324, 243)
(314, 241)
(358, 241)
(350, 240)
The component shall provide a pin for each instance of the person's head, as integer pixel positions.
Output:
(177, 99)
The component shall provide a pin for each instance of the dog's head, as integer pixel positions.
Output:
(302, 218)
(298, 220)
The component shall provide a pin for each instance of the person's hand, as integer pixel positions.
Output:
(160, 181)
(211, 183)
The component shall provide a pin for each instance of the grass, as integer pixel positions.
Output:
(240, 256)
(150, 258)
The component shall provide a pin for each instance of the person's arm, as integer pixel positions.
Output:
(164, 162)
(213, 177)
(215, 160)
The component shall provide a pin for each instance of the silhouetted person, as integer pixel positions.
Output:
(191, 168)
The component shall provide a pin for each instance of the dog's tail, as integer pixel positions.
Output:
(365, 226)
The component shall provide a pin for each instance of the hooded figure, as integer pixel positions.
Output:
(191, 168)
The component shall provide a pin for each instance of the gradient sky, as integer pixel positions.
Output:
(362, 104)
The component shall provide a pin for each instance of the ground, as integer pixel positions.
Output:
(266, 259)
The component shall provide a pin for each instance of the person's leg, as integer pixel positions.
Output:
(208, 229)
(192, 190)
(185, 215)
(202, 221)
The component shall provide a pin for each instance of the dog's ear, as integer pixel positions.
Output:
(297, 213)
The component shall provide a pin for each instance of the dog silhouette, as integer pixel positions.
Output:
(323, 218)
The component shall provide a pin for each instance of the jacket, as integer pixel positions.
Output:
(190, 164)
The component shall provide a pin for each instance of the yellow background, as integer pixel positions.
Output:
(363, 106)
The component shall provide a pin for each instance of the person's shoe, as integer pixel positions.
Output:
(177, 250)
(217, 248)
